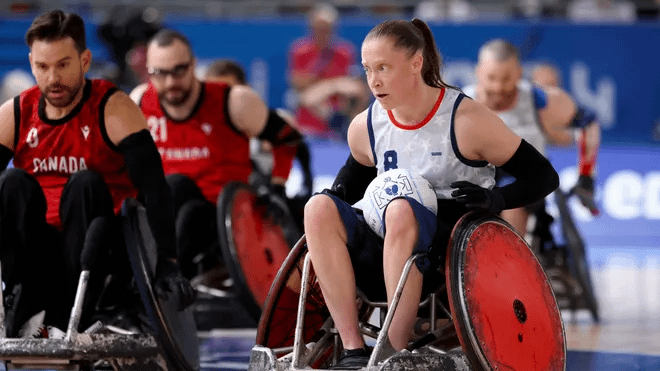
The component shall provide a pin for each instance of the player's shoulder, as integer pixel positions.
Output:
(7, 111)
(120, 103)
(472, 113)
(359, 122)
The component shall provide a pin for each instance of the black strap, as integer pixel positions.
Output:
(146, 171)
(279, 132)
(535, 177)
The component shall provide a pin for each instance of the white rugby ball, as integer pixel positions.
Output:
(392, 184)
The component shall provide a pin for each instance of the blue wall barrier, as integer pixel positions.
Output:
(611, 69)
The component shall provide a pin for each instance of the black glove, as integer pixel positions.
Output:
(169, 280)
(476, 197)
(584, 190)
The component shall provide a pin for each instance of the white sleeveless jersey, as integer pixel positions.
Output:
(428, 149)
(522, 119)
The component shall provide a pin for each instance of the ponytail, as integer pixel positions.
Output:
(431, 66)
(414, 36)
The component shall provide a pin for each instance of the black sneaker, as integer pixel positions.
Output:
(352, 359)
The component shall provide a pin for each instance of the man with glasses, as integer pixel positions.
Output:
(203, 131)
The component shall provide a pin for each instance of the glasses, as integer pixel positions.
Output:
(177, 72)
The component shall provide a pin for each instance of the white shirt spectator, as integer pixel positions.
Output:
(445, 10)
(14, 82)
(607, 11)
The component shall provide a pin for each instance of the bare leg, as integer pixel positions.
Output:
(517, 218)
(326, 241)
(400, 239)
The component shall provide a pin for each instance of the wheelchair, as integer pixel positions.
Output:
(255, 236)
(256, 229)
(169, 344)
(565, 264)
(502, 313)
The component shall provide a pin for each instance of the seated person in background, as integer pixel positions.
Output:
(320, 72)
(231, 73)
(540, 115)
(202, 131)
(80, 147)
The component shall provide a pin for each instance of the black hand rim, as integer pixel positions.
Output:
(138, 259)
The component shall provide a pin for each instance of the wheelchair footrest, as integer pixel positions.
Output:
(406, 361)
(87, 347)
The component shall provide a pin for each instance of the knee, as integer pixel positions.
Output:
(400, 220)
(318, 213)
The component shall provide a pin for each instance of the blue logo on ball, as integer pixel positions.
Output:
(393, 190)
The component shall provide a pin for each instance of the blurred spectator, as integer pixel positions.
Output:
(126, 33)
(590, 11)
(14, 82)
(445, 10)
(545, 74)
(320, 72)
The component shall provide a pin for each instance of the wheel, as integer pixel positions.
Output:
(253, 241)
(174, 330)
(500, 299)
(278, 320)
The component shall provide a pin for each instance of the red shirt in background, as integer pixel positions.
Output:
(335, 61)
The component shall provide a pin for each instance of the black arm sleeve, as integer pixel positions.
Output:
(354, 178)
(279, 132)
(535, 177)
(146, 171)
(5, 156)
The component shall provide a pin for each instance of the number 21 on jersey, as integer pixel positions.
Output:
(158, 128)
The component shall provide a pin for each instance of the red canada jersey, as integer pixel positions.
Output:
(52, 150)
(206, 147)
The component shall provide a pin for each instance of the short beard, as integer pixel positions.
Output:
(177, 101)
(66, 100)
(505, 103)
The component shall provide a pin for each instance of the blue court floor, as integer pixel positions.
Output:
(230, 350)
